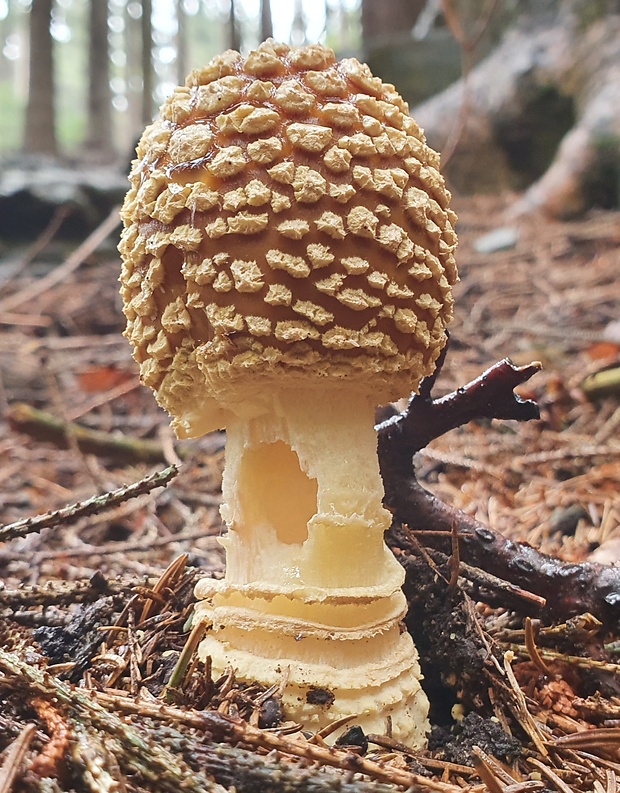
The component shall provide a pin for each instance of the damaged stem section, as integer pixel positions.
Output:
(311, 593)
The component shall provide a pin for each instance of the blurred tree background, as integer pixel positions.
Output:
(81, 78)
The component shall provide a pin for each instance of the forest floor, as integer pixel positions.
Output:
(553, 297)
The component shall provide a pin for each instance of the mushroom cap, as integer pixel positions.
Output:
(286, 223)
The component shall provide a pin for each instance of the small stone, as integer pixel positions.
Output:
(501, 239)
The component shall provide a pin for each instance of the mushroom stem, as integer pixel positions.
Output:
(303, 504)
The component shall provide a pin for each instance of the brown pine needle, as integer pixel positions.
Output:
(14, 757)
(612, 781)
(167, 580)
(545, 770)
(531, 628)
(494, 766)
(527, 720)
(601, 738)
(487, 776)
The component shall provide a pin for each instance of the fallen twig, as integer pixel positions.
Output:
(62, 593)
(568, 589)
(83, 509)
(491, 396)
(236, 731)
(247, 771)
(44, 426)
(580, 661)
(482, 579)
(604, 383)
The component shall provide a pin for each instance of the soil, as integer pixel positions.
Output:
(105, 599)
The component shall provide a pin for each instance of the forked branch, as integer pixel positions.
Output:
(568, 589)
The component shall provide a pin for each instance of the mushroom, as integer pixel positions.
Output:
(287, 266)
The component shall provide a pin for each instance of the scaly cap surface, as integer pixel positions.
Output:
(286, 219)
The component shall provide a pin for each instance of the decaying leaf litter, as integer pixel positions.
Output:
(105, 599)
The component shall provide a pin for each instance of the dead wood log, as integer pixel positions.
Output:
(543, 107)
(568, 589)
(46, 427)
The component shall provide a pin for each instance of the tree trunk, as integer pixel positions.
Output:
(234, 34)
(6, 28)
(266, 23)
(542, 111)
(381, 19)
(298, 28)
(40, 132)
(132, 44)
(100, 138)
(181, 43)
(147, 62)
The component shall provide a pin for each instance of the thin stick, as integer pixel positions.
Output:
(232, 730)
(83, 509)
(47, 427)
(581, 661)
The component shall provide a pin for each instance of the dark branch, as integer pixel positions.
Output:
(490, 396)
(568, 589)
